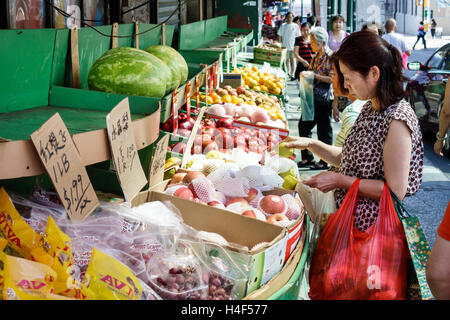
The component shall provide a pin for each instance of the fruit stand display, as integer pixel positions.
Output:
(213, 37)
(214, 213)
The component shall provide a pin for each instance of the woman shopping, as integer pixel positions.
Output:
(322, 68)
(385, 143)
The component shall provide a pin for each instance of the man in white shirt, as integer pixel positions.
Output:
(397, 40)
(287, 34)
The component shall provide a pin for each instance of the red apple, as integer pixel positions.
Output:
(192, 175)
(225, 123)
(196, 149)
(208, 130)
(183, 132)
(208, 123)
(177, 178)
(242, 201)
(239, 140)
(272, 204)
(179, 147)
(215, 203)
(249, 213)
(212, 145)
(252, 194)
(184, 192)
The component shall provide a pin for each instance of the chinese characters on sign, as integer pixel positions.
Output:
(65, 168)
(124, 152)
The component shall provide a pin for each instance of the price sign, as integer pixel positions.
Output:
(124, 150)
(156, 173)
(62, 161)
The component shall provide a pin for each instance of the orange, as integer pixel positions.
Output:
(264, 88)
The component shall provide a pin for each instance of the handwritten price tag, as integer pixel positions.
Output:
(124, 151)
(156, 173)
(60, 158)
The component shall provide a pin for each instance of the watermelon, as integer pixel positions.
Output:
(174, 61)
(129, 71)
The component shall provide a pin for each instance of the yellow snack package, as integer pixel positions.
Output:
(110, 279)
(58, 246)
(21, 237)
(26, 280)
(2, 264)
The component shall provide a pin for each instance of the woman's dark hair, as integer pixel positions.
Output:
(312, 20)
(362, 50)
(305, 24)
(337, 17)
(297, 18)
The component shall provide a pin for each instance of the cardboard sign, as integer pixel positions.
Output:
(124, 151)
(156, 172)
(63, 164)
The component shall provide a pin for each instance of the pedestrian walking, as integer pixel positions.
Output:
(312, 22)
(421, 35)
(336, 35)
(433, 27)
(287, 34)
(397, 40)
(303, 52)
(444, 123)
(323, 71)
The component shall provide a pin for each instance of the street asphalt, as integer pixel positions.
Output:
(430, 202)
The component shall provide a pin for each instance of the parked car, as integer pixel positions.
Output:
(426, 88)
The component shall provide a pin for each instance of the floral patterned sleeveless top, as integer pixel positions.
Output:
(362, 154)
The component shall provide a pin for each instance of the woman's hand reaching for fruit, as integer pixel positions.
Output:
(297, 142)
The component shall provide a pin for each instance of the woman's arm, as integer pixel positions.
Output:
(437, 271)
(330, 154)
(321, 78)
(396, 155)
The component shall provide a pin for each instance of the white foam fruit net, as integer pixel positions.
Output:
(253, 174)
(204, 189)
(271, 177)
(254, 203)
(233, 187)
(293, 209)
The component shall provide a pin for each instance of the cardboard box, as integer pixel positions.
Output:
(274, 57)
(263, 263)
(232, 79)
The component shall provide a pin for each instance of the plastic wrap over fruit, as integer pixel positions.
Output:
(271, 177)
(177, 276)
(233, 187)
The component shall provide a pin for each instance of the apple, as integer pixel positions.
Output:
(225, 123)
(179, 147)
(249, 213)
(208, 123)
(216, 203)
(192, 175)
(212, 145)
(177, 178)
(183, 132)
(241, 201)
(196, 149)
(208, 130)
(241, 90)
(184, 193)
(272, 204)
(239, 140)
(198, 139)
(252, 194)
(186, 124)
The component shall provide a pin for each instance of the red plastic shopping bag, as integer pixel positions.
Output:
(348, 264)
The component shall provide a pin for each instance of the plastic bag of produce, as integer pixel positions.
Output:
(227, 280)
(177, 275)
(306, 94)
(354, 265)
